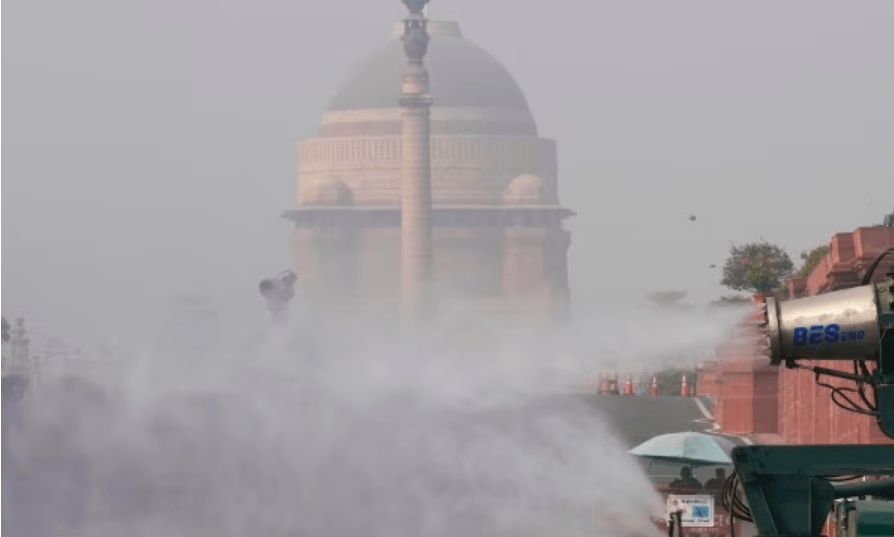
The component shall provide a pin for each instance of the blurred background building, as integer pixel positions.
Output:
(498, 237)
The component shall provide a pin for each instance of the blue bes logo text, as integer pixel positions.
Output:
(830, 333)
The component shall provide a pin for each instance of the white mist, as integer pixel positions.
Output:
(335, 428)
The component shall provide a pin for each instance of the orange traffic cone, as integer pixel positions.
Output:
(628, 386)
(684, 389)
(654, 391)
(603, 387)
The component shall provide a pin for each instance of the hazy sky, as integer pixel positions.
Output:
(151, 145)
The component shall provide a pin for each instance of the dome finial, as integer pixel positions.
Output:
(415, 6)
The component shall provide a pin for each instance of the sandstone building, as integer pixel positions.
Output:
(498, 240)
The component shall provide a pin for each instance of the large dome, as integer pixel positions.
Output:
(462, 75)
(482, 132)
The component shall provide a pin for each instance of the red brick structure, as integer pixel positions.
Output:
(708, 378)
(743, 383)
(753, 397)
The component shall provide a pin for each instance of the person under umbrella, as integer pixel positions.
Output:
(686, 481)
(715, 484)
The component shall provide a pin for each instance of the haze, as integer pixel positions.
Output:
(150, 146)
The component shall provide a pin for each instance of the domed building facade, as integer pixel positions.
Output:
(497, 225)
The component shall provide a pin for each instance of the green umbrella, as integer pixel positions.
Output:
(693, 449)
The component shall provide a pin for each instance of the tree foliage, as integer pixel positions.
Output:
(758, 267)
(782, 293)
(811, 260)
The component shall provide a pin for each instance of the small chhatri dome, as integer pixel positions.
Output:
(325, 190)
(526, 189)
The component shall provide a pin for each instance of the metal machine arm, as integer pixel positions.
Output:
(884, 374)
(787, 488)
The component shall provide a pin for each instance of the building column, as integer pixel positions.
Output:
(327, 263)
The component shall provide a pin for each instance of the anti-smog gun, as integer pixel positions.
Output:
(790, 490)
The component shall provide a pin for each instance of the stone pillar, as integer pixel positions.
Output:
(535, 267)
(558, 241)
(416, 225)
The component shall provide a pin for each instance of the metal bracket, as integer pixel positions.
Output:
(884, 375)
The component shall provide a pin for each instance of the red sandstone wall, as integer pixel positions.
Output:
(467, 262)
(848, 257)
(535, 272)
(749, 398)
(747, 386)
(869, 242)
(817, 281)
(305, 263)
(797, 287)
(379, 265)
(707, 380)
(807, 414)
(524, 263)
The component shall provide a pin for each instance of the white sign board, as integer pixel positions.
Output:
(698, 509)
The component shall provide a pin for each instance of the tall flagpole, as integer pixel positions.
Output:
(416, 225)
